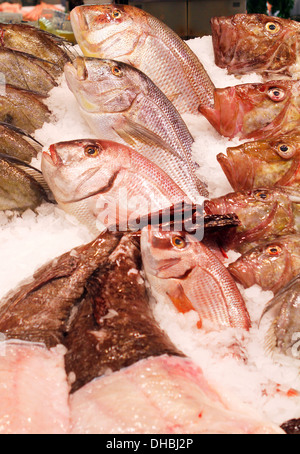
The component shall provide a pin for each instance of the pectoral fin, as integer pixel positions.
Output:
(181, 301)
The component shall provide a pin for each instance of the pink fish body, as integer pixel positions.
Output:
(185, 272)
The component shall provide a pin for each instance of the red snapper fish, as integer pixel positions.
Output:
(133, 36)
(271, 265)
(102, 183)
(185, 272)
(256, 110)
(246, 43)
(263, 163)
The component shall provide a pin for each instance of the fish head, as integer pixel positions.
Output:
(262, 163)
(255, 42)
(76, 170)
(104, 86)
(107, 30)
(255, 110)
(270, 265)
(167, 254)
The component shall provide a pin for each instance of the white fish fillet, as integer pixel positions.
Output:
(160, 395)
(33, 389)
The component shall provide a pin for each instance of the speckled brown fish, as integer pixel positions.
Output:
(263, 163)
(131, 35)
(256, 110)
(23, 108)
(271, 265)
(264, 214)
(17, 143)
(245, 43)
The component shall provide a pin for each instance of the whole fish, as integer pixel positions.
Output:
(19, 190)
(183, 271)
(23, 108)
(263, 163)
(34, 41)
(129, 34)
(256, 110)
(245, 43)
(271, 265)
(284, 333)
(264, 214)
(17, 143)
(25, 71)
(121, 103)
(104, 183)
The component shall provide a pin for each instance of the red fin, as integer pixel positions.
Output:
(181, 301)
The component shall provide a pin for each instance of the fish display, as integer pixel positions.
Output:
(255, 110)
(264, 214)
(185, 272)
(23, 108)
(131, 35)
(245, 43)
(284, 333)
(34, 41)
(122, 104)
(18, 189)
(263, 164)
(17, 143)
(162, 395)
(271, 265)
(104, 183)
(25, 71)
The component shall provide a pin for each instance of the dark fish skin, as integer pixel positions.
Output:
(246, 43)
(23, 108)
(264, 214)
(34, 41)
(19, 190)
(292, 426)
(284, 333)
(114, 326)
(25, 71)
(13, 142)
(39, 311)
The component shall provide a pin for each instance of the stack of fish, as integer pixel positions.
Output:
(31, 62)
(86, 315)
(268, 167)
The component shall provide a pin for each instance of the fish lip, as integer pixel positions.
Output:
(52, 157)
(242, 273)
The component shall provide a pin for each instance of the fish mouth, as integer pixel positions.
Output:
(77, 70)
(52, 157)
(238, 168)
(242, 273)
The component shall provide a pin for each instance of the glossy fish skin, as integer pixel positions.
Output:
(18, 190)
(256, 110)
(246, 43)
(25, 71)
(284, 331)
(23, 109)
(264, 214)
(185, 272)
(39, 311)
(271, 265)
(131, 35)
(114, 326)
(15, 142)
(34, 41)
(263, 164)
(121, 103)
(102, 182)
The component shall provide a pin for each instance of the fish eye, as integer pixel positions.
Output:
(261, 195)
(272, 27)
(284, 150)
(116, 14)
(276, 94)
(178, 242)
(91, 151)
(116, 70)
(273, 250)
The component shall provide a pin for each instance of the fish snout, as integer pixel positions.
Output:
(242, 272)
(52, 156)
